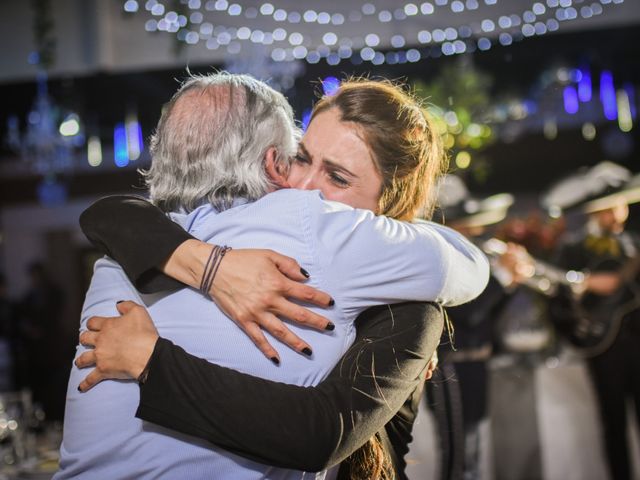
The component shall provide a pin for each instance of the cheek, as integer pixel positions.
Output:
(357, 199)
(294, 175)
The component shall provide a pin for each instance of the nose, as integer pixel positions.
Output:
(308, 182)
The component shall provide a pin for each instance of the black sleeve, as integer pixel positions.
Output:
(137, 235)
(397, 433)
(304, 428)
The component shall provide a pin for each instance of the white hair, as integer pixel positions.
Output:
(211, 140)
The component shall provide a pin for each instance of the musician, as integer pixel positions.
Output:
(458, 396)
(604, 248)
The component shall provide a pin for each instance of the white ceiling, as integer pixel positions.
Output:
(97, 35)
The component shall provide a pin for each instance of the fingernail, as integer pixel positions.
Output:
(119, 301)
(275, 360)
(79, 389)
(330, 327)
(307, 351)
(304, 272)
(332, 302)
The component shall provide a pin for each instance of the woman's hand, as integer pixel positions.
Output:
(121, 345)
(431, 366)
(254, 287)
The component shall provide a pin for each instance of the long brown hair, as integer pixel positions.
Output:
(370, 462)
(409, 155)
(406, 148)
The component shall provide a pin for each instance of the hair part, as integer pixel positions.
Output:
(405, 146)
(211, 139)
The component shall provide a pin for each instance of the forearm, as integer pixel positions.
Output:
(312, 428)
(186, 263)
(265, 421)
(137, 235)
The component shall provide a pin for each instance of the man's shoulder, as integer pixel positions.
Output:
(106, 264)
(312, 199)
(108, 272)
(289, 197)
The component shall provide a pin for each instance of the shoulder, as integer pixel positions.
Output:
(196, 219)
(573, 242)
(290, 197)
(312, 210)
(108, 273)
(106, 265)
(312, 199)
(634, 237)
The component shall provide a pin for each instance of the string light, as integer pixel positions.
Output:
(536, 19)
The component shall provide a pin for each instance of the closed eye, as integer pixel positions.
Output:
(301, 159)
(338, 180)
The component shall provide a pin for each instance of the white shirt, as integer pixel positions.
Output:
(359, 258)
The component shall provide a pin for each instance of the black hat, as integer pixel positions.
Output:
(459, 207)
(594, 189)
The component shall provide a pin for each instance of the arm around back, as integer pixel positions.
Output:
(378, 260)
(305, 428)
(124, 227)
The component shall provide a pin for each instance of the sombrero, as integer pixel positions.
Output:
(460, 208)
(594, 189)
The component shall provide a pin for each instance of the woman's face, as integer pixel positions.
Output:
(334, 158)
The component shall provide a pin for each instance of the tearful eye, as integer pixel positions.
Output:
(338, 180)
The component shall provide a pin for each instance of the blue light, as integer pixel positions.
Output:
(570, 99)
(530, 106)
(608, 95)
(330, 86)
(631, 93)
(306, 118)
(120, 152)
(584, 86)
(51, 192)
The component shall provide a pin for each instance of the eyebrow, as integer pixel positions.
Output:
(328, 162)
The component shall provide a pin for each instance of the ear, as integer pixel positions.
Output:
(275, 169)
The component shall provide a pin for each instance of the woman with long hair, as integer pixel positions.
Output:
(371, 146)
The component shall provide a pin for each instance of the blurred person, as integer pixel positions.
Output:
(39, 320)
(458, 394)
(7, 338)
(535, 232)
(608, 254)
(456, 287)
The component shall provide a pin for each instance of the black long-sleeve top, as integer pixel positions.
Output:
(374, 388)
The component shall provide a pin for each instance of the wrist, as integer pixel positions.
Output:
(187, 262)
(140, 370)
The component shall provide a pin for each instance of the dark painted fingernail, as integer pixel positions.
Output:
(79, 389)
(119, 301)
(330, 327)
(275, 360)
(307, 351)
(304, 272)
(332, 302)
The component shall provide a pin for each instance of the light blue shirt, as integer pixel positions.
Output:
(359, 258)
